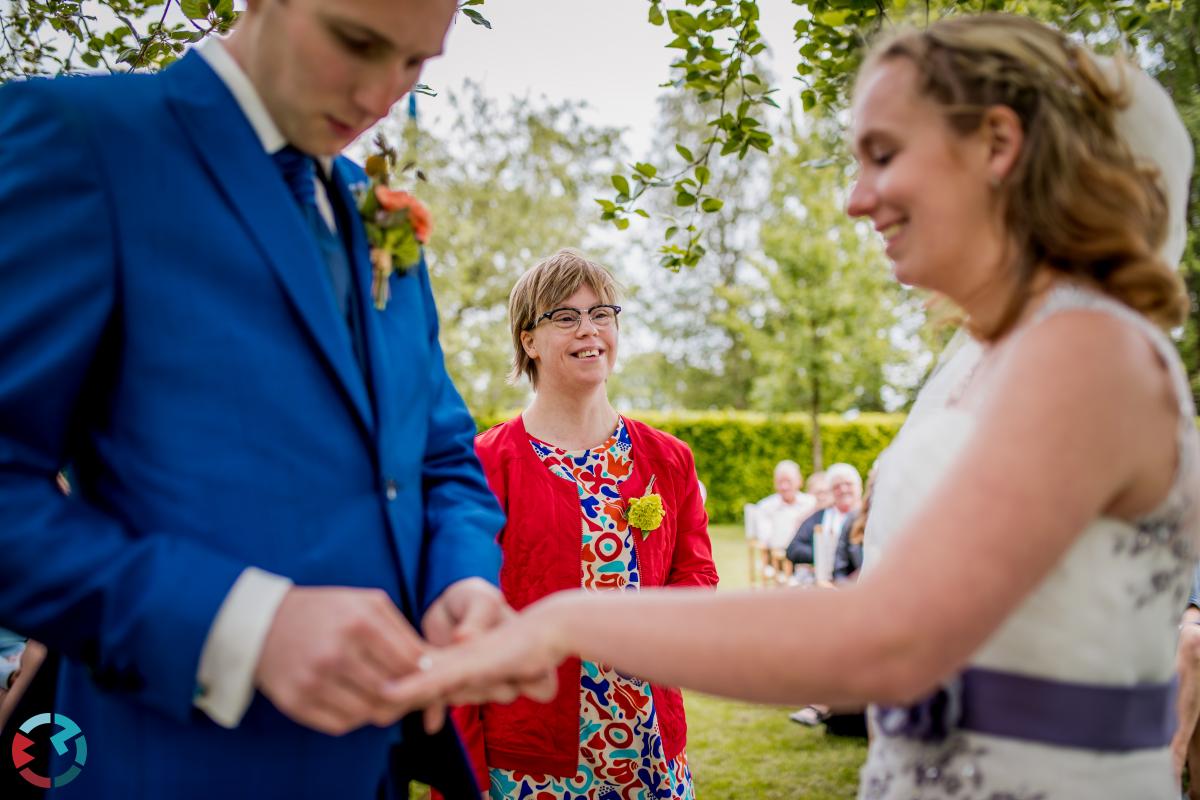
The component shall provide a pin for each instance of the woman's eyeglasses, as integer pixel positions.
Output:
(568, 319)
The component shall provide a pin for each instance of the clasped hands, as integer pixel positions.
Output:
(338, 658)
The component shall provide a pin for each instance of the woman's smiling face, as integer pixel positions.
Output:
(926, 189)
(578, 358)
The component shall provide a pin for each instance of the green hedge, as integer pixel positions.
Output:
(736, 451)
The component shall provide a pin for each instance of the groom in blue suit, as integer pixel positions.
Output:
(276, 506)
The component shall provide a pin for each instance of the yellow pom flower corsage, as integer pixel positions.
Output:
(646, 512)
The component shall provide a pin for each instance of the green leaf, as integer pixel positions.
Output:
(656, 14)
(622, 223)
(809, 98)
(607, 205)
(477, 18)
(682, 22)
(671, 231)
(684, 153)
(641, 212)
(194, 9)
(833, 19)
(649, 170)
(685, 199)
(712, 204)
(621, 184)
(703, 174)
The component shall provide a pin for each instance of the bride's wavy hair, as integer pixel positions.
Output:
(1077, 200)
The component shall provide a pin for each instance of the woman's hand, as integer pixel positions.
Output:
(516, 659)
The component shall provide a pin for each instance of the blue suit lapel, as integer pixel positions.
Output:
(233, 154)
(360, 267)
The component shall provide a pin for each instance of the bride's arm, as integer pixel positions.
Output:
(1055, 446)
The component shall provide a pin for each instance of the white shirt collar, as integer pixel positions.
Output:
(216, 54)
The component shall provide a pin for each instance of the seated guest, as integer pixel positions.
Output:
(780, 514)
(846, 563)
(818, 487)
(11, 647)
(19, 662)
(593, 499)
(1185, 747)
(848, 558)
(815, 542)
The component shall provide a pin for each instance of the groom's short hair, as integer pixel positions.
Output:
(545, 286)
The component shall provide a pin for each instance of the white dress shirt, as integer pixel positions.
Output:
(779, 520)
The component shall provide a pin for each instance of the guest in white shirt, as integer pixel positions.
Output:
(780, 514)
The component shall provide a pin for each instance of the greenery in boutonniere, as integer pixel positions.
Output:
(646, 512)
(397, 224)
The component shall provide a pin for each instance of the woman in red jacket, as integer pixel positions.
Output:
(576, 480)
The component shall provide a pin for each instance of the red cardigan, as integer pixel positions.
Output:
(542, 542)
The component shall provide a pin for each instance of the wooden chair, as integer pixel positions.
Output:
(781, 567)
(759, 560)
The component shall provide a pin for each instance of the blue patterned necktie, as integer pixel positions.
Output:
(299, 172)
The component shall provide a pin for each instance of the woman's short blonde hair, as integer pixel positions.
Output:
(545, 286)
(1078, 200)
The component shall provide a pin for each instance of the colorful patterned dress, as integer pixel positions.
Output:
(620, 749)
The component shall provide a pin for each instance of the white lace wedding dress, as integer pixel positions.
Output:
(1105, 618)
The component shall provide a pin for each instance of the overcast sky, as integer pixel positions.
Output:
(602, 52)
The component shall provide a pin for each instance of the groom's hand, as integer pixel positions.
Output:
(329, 653)
(463, 611)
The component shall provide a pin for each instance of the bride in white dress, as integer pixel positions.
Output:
(1031, 536)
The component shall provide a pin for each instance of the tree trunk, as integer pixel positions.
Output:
(815, 411)
(814, 378)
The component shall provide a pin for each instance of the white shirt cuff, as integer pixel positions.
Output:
(225, 679)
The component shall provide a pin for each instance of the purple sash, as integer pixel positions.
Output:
(1111, 719)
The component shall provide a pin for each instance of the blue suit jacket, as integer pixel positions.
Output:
(167, 330)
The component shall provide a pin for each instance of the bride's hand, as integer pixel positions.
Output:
(515, 659)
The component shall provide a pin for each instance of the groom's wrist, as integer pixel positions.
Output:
(225, 677)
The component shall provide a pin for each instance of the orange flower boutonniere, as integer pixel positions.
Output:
(397, 224)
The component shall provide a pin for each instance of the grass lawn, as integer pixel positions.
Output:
(748, 752)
